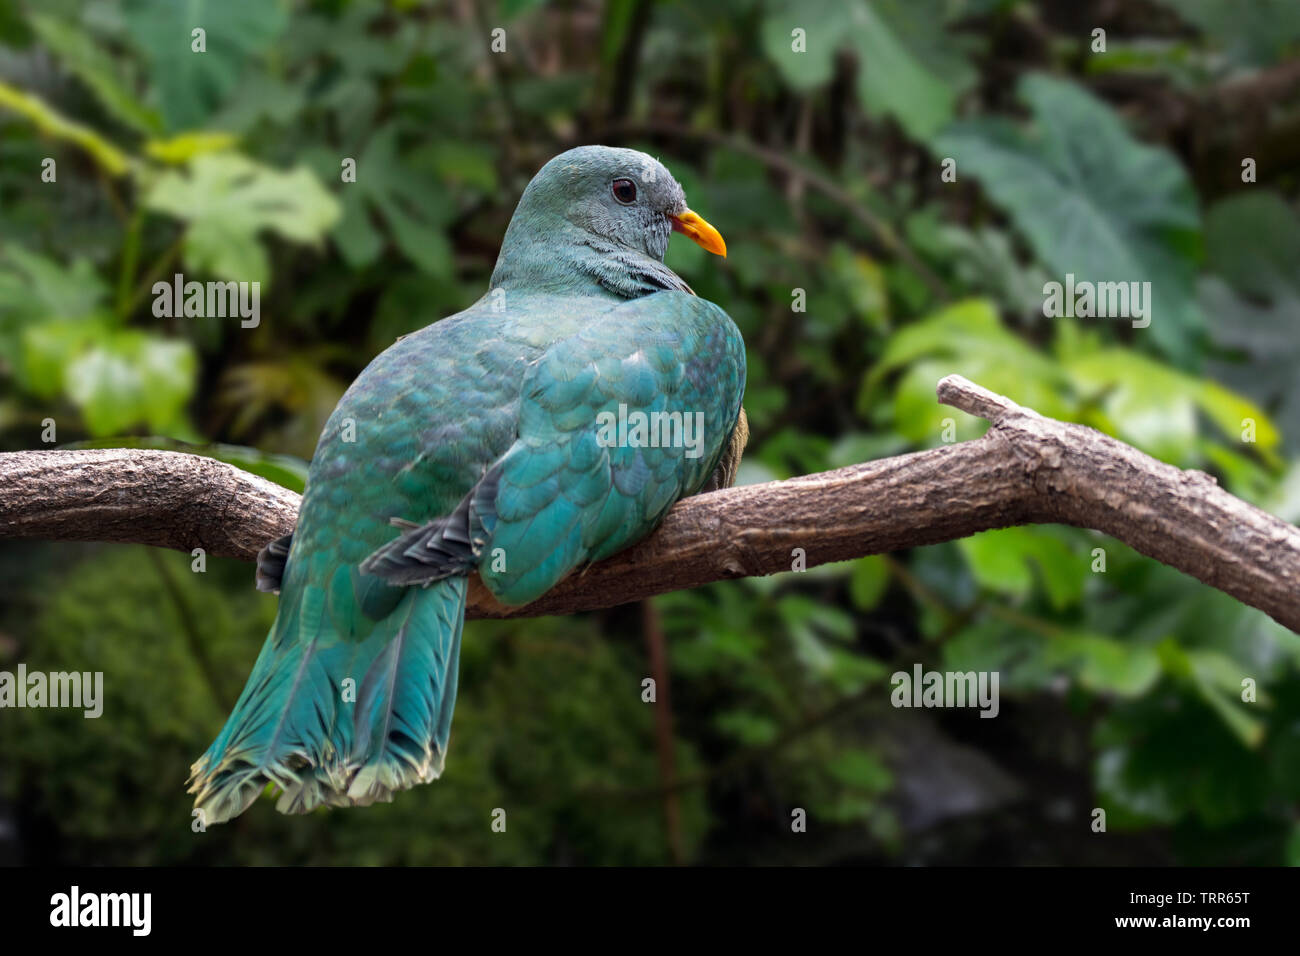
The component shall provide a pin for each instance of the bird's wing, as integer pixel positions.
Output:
(616, 424)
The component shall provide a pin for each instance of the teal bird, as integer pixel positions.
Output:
(549, 425)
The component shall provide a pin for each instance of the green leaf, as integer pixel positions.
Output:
(823, 25)
(1092, 200)
(1252, 244)
(990, 645)
(1154, 407)
(33, 286)
(1253, 240)
(48, 347)
(358, 241)
(1166, 757)
(907, 68)
(261, 97)
(131, 378)
(984, 260)
(1001, 561)
(868, 582)
(191, 85)
(411, 202)
(1218, 680)
(749, 728)
(227, 199)
(861, 770)
(967, 338)
(1105, 665)
(808, 622)
(862, 282)
(106, 76)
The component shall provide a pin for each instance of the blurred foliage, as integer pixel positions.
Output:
(813, 134)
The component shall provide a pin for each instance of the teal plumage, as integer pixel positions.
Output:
(479, 443)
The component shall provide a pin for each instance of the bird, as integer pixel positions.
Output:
(549, 425)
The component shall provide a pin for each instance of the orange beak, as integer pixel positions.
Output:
(694, 228)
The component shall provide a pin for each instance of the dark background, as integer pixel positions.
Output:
(1120, 690)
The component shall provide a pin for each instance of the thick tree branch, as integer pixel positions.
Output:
(163, 498)
(1025, 470)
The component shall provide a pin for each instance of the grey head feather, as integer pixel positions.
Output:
(569, 231)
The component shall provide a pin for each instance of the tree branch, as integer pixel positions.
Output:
(1026, 469)
(164, 498)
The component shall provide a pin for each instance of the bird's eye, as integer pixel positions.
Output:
(625, 191)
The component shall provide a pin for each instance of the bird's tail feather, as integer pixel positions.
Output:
(297, 725)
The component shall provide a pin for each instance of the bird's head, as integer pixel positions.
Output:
(600, 209)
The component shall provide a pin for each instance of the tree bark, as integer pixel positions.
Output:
(1026, 469)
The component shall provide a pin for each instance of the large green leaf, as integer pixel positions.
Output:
(410, 201)
(33, 286)
(966, 338)
(46, 310)
(128, 378)
(1154, 407)
(227, 199)
(983, 260)
(1030, 663)
(191, 85)
(1253, 300)
(1092, 200)
(1168, 756)
(1104, 664)
(907, 68)
(1003, 560)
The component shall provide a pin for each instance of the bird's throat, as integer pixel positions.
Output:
(570, 260)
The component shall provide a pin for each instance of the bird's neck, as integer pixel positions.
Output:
(553, 255)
